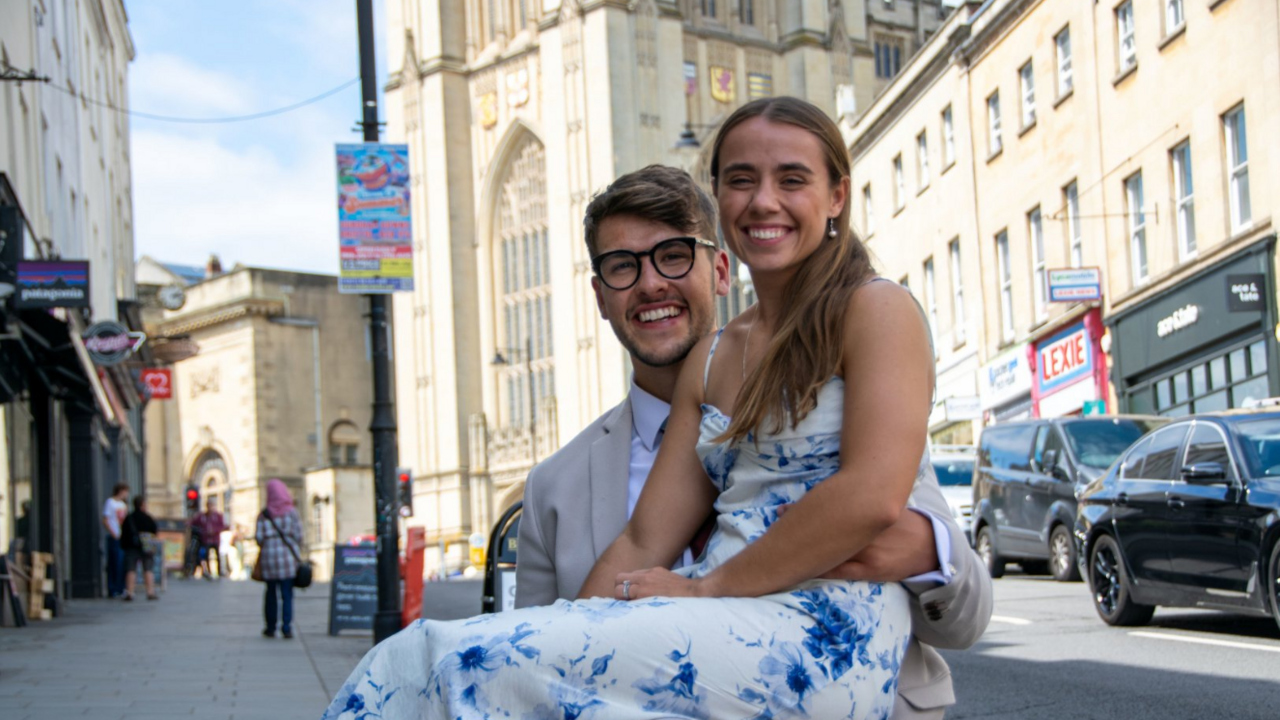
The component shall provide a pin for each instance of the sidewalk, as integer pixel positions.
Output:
(198, 652)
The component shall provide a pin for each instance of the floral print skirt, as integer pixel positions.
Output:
(827, 649)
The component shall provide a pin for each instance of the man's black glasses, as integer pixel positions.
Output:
(672, 258)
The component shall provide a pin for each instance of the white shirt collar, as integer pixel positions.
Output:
(648, 413)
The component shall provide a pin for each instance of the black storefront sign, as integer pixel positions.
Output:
(1246, 293)
(353, 597)
(1195, 315)
(53, 284)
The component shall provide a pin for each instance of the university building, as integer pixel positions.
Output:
(1032, 137)
(516, 113)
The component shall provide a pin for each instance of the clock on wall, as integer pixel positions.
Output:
(172, 297)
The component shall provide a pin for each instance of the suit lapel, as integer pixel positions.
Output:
(610, 473)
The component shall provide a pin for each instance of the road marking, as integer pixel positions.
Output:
(1203, 641)
(1009, 620)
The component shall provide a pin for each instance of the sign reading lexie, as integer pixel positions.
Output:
(375, 236)
(1064, 358)
(353, 597)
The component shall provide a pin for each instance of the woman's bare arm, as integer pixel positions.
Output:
(676, 498)
(888, 385)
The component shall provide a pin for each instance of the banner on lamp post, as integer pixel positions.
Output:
(375, 236)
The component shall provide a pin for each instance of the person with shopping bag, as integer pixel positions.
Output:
(279, 564)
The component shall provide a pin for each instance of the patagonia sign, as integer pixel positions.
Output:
(109, 342)
(60, 284)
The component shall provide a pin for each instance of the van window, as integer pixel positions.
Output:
(1048, 439)
(1008, 448)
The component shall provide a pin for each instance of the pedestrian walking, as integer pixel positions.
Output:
(207, 530)
(138, 538)
(114, 511)
(279, 536)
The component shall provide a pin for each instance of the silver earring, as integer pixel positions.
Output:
(831, 225)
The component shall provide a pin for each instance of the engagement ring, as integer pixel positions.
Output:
(626, 589)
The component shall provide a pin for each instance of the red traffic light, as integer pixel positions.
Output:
(404, 477)
(193, 494)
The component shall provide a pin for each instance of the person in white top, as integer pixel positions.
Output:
(114, 511)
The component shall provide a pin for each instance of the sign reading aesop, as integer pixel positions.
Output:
(109, 342)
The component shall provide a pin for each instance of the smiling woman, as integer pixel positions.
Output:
(755, 627)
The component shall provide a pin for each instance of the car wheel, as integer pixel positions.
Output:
(1062, 555)
(1110, 585)
(1275, 582)
(987, 551)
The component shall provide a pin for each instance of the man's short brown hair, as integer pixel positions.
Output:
(658, 193)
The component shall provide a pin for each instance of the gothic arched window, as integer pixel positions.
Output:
(523, 286)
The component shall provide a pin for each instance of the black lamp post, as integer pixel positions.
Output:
(688, 140)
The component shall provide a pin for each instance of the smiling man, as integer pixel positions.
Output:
(651, 236)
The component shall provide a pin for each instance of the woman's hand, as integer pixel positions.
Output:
(656, 582)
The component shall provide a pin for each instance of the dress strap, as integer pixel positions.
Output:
(706, 372)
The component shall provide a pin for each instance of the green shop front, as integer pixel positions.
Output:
(1206, 344)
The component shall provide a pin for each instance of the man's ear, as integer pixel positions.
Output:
(595, 286)
(723, 281)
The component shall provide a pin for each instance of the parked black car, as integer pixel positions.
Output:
(1190, 517)
(1025, 484)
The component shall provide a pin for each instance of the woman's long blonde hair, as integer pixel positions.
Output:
(806, 347)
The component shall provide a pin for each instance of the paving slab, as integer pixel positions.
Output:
(198, 652)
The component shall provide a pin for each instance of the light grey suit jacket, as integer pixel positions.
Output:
(575, 506)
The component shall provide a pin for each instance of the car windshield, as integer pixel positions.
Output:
(1261, 442)
(1097, 443)
(953, 472)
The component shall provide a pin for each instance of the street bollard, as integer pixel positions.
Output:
(411, 566)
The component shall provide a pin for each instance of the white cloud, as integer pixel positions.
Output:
(165, 84)
(194, 197)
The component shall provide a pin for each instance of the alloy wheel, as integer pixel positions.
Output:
(1275, 582)
(1062, 555)
(1105, 580)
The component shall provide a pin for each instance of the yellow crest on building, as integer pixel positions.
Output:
(721, 84)
(488, 107)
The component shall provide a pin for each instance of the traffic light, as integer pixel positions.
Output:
(404, 491)
(193, 499)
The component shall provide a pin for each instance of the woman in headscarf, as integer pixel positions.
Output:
(279, 536)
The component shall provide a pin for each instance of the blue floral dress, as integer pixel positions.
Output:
(823, 649)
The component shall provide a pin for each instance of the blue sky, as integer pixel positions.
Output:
(259, 192)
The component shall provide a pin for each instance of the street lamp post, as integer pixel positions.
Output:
(386, 622)
(500, 361)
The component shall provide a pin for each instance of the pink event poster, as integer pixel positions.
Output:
(375, 234)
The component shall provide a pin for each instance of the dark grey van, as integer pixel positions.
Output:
(1025, 483)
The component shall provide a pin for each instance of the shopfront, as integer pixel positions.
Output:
(1069, 369)
(1207, 344)
(957, 407)
(1004, 386)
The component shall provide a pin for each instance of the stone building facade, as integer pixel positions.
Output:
(69, 429)
(516, 113)
(280, 385)
(1033, 136)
